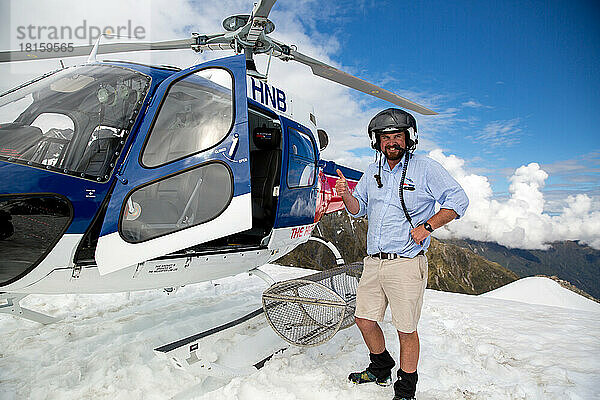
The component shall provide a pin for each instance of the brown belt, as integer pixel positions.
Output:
(392, 256)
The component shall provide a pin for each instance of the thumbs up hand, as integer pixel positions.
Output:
(341, 186)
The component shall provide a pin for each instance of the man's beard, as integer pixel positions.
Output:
(394, 157)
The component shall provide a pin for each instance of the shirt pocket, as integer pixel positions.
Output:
(411, 196)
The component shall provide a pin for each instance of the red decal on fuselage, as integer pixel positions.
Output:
(301, 231)
(328, 200)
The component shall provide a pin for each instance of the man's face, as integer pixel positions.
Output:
(393, 145)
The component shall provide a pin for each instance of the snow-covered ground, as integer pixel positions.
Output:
(472, 347)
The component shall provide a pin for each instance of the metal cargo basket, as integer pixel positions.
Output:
(309, 311)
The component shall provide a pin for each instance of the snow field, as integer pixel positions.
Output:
(472, 347)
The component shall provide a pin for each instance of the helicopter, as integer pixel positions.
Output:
(118, 176)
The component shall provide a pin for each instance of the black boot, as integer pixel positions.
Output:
(378, 371)
(406, 386)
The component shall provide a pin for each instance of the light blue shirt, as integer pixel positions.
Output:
(425, 183)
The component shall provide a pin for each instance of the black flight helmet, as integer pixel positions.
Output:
(393, 120)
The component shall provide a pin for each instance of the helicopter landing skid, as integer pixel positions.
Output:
(214, 352)
(9, 304)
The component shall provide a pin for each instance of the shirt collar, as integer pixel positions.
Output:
(386, 167)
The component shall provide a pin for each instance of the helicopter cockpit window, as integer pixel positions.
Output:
(301, 159)
(196, 114)
(73, 121)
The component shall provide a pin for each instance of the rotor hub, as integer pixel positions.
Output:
(235, 22)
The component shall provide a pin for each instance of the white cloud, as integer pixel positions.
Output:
(499, 133)
(519, 221)
(474, 104)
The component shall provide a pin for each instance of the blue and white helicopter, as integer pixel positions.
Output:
(117, 176)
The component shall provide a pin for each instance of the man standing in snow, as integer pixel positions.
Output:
(399, 199)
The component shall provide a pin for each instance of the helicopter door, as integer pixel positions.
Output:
(298, 196)
(186, 180)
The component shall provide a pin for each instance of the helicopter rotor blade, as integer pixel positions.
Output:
(107, 48)
(323, 70)
(259, 20)
(263, 8)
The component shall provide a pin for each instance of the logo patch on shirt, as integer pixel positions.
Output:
(408, 185)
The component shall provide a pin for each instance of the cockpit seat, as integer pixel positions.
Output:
(97, 157)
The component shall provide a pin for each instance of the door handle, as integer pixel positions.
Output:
(234, 145)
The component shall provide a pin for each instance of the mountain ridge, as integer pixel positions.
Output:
(567, 260)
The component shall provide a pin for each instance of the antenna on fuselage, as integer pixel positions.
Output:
(94, 52)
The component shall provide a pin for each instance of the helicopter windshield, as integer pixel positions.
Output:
(74, 121)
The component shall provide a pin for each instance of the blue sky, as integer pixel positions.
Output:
(520, 78)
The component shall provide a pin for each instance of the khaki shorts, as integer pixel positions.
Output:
(401, 282)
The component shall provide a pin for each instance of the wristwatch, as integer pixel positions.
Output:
(428, 227)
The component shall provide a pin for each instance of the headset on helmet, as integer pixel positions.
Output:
(392, 120)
